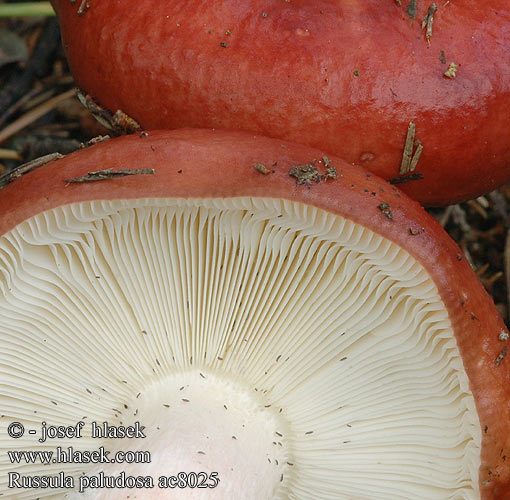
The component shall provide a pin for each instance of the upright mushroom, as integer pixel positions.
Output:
(349, 77)
(275, 319)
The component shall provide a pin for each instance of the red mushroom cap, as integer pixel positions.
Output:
(346, 77)
(216, 164)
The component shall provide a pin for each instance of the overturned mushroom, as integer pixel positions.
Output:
(286, 340)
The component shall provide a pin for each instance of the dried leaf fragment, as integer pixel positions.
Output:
(451, 72)
(125, 123)
(385, 209)
(428, 21)
(261, 168)
(331, 173)
(305, 174)
(119, 122)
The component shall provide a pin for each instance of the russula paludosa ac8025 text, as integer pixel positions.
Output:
(284, 319)
(349, 77)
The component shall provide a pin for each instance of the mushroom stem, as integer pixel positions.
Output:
(198, 421)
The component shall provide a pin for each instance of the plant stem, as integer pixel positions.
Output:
(28, 9)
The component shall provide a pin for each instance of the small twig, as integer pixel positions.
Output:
(478, 208)
(482, 270)
(101, 175)
(459, 217)
(410, 161)
(94, 140)
(406, 178)
(9, 154)
(501, 207)
(119, 122)
(24, 102)
(39, 99)
(34, 114)
(495, 277)
(43, 55)
(467, 253)
(36, 146)
(19, 104)
(7, 178)
(84, 6)
(416, 157)
(483, 202)
(408, 149)
(446, 216)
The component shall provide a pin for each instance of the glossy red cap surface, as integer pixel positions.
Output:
(344, 76)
